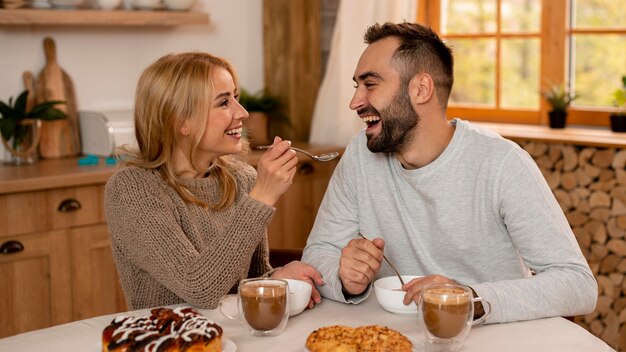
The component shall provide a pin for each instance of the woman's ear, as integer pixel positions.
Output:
(185, 129)
(421, 88)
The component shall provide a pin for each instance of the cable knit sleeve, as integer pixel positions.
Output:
(167, 250)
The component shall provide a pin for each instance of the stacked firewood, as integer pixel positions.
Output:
(590, 185)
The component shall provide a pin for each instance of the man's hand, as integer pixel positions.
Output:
(304, 272)
(359, 263)
(414, 286)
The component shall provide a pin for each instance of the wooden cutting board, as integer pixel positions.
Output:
(29, 86)
(59, 138)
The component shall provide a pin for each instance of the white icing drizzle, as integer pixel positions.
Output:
(192, 323)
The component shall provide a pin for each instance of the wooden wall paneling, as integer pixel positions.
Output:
(292, 60)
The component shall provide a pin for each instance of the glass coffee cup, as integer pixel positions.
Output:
(446, 314)
(262, 305)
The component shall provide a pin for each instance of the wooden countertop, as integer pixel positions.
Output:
(60, 173)
(598, 137)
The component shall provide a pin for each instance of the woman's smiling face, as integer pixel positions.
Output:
(225, 120)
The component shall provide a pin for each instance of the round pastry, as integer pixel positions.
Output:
(372, 338)
(376, 338)
(332, 338)
(165, 330)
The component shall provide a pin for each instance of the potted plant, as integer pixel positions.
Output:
(19, 126)
(618, 118)
(559, 99)
(263, 108)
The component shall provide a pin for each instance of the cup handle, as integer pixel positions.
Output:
(487, 313)
(221, 305)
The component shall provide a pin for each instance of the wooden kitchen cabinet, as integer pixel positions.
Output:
(297, 208)
(35, 283)
(95, 281)
(56, 264)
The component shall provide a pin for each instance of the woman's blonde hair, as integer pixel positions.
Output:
(176, 88)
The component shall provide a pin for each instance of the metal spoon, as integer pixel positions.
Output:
(321, 157)
(388, 262)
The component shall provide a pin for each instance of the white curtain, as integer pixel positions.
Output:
(333, 122)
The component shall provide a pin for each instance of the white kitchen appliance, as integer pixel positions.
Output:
(102, 132)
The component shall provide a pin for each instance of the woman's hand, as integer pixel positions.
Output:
(304, 272)
(275, 172)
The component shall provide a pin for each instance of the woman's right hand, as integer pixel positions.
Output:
(275, 172)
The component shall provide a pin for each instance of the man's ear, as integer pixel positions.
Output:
(421, 88)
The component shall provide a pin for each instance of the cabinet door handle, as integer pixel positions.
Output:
(306, 169)
(9, 247)
(69, 205)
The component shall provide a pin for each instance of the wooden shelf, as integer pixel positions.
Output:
(597, 137)
(21, 17)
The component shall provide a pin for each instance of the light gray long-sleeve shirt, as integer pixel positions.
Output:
(481, 214)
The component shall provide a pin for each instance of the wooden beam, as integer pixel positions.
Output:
(292, 60)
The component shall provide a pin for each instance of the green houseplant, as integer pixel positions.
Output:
(618, 118)
(559, 99)
(20, 124)
(264, 109)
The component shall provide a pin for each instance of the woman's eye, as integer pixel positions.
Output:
(224, 102)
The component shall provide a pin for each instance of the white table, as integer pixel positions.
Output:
(554, 334)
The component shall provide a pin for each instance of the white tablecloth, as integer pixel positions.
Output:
(553, 334)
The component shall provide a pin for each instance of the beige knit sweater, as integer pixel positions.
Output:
(169, 251)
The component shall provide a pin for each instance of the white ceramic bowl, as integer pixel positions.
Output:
(299, 296)
(390, 296)
(66, 4)
(108, 4)
(179, 5)
(147, 4)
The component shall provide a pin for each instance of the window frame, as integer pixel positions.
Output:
(554, 39)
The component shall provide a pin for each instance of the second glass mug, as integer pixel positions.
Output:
(446, 314)
(262, 304)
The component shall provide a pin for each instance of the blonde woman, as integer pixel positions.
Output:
(187, 219)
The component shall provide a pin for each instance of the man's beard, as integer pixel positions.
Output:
(398, 120)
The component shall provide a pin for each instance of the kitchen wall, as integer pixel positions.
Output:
(104, 63)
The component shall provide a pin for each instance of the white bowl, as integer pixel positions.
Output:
(390, 296)
(147, 4)
(179, 5)
(65, 4)
(108, 4)
(299, 296)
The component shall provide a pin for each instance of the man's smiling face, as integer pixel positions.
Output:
(381, 99)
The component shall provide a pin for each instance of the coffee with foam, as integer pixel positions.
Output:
(446, 311)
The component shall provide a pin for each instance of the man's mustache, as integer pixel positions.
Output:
(368, 111)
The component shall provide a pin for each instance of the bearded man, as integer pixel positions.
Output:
(444, 199)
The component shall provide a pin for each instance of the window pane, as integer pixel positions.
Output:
(599, 63)
(520, 16)
(468, 16)
(599, 13)
(519, 70)
(474, 71)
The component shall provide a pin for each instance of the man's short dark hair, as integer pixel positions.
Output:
(421, 50)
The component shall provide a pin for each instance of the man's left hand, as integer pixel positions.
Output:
(414, 286)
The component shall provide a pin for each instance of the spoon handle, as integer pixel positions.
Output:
(262, 147)
(388, 262)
